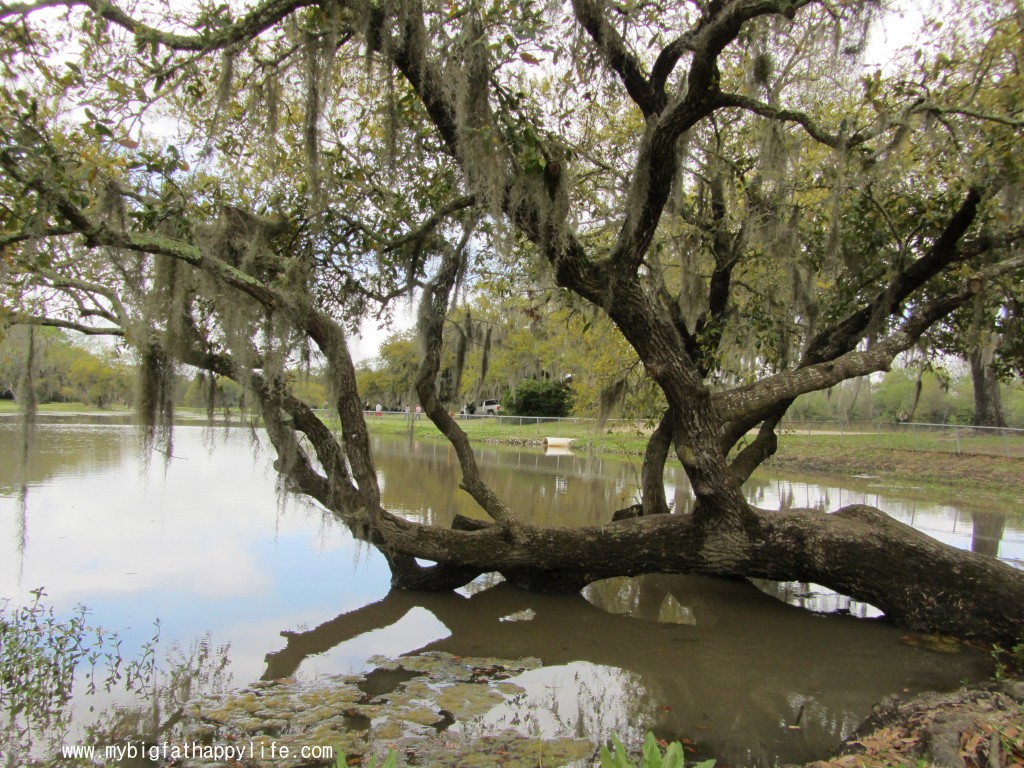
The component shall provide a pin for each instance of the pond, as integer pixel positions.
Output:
(205, 543)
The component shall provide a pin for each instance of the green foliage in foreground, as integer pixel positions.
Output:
(1009, 663)
(650, 757)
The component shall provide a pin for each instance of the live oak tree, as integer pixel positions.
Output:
(233, 188)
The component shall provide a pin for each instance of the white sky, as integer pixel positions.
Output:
(372, 334)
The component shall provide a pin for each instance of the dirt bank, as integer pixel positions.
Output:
(980, 727)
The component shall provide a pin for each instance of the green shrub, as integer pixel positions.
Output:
(538, 398)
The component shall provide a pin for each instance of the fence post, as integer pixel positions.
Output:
(957, 429)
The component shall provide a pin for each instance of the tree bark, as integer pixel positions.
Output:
(859, 551)
(988, 409)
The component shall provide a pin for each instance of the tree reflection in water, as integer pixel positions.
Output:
(718, 662)
(987, 532)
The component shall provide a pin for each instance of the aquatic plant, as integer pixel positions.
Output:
(650, 757)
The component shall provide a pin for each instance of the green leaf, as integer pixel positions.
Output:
(117, 87)
(651, 753)
(619, 760)
(674, 756)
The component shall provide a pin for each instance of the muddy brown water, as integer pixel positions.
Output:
(204, 543)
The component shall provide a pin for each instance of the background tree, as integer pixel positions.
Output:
(390, 377)
(758, 230)
(64, 371)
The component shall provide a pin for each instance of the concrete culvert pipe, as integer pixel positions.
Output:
(557, 442)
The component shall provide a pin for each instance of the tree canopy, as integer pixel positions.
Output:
(753, 213)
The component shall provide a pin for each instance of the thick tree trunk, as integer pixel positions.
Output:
(859, 551)
(988, 410)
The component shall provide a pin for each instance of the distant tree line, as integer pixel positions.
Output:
(61, 370)
(933, 396)
(529, 377)
(66, 371)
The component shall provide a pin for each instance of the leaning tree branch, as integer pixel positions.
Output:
(666, 62)
(335, 491)
(431, 223)
(15, 238)
(744, 402)
(258, 20)
(812, 127)
(411, 54)
(74, 287)
(858, 551)
(656, 166)
(944, 251)
(433, 310)
(762, 447)
(652, 472)
(843, 337)
(18, 318)
(321, 328)
(805, 121)
(1007, 120)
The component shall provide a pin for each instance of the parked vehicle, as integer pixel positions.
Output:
(490, 407)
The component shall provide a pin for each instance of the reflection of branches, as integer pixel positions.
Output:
(200, 670)
(570, 628)
(746, 657)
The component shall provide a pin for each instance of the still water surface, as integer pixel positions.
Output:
(204, 543)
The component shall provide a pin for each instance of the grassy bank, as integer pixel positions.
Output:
(888, 461)
(10, 406)
(896, 461)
